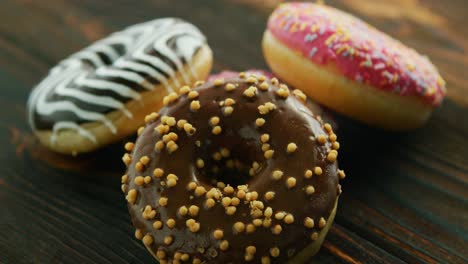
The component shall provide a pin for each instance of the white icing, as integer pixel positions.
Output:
(91, 56)
(90, 68)
(62, 89)
(70, 125)
(124, 74)
(189, 44)
(126, 64)
(97, 84)
(48, 108)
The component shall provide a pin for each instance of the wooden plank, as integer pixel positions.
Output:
(405, 196)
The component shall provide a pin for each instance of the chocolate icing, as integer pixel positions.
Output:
(292, 121)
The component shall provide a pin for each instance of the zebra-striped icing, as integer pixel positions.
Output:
(104, 76)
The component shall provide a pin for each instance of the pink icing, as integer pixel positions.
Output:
(362, 53)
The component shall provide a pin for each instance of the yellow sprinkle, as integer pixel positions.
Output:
(274, 252)
(132, 196)
(276, 229)
(269, 154)
(314, 236)
(168, 240)
(193, 210)
(341, 174)
(181, 123)
(138, 234)
(322, 222)
(310, 190)
(170, 223)
(189, 129)
(129, 146)
(332, 155)
(229, 102)
(318, 171)
(139, 180)
(218, 82)
(291, 182)
(191, 186)
(321, 139)
(163, 201)
(224, 245)
(230, 210)
(228, 110)
(283, 92)
(200, 163)
(251, 91)
(218, 234)
(251, 80)
(192, 94)
(157, 225)
(259, 122)
(289, 219)
(195, 105)
(170, 121)
(292, 147)
(148, 240)
(336, 145)
(216, 130)
(265, 260)
(184, 89)
(327, 127)
(269, 195)
(214, 121)
(229, 87)
(299, 94)
(140, 130)
(198, 83)
(277, 174)
(309, 222)
(238, 227)
(183, 210)
(210, 203)
(265, 147)
(263, 86)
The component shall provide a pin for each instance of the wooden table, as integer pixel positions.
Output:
(405, 199)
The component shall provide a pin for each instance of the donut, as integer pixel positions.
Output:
(102, 93)
(324, 114)
(231, 74)
(231, 171)
(351, 67)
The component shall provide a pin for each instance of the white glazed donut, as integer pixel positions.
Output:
(101, 94)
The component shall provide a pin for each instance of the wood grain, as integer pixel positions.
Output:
(405, 198)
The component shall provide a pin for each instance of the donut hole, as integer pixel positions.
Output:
(231, 172)
(234, 166)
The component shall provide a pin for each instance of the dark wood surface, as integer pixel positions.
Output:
(405, 198)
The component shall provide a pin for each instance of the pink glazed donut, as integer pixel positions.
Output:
(346, 64)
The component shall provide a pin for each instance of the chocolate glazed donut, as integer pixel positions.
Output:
(232, 171)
